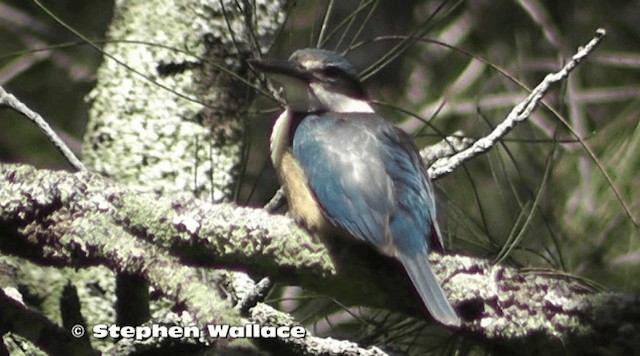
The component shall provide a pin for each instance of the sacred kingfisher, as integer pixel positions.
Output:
(346, 170)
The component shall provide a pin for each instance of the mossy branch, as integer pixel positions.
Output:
(82, 219)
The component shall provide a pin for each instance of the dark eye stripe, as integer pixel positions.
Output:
(332, 72)
(336, 79)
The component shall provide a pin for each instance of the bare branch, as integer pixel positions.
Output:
(12, 102)
(519, 113)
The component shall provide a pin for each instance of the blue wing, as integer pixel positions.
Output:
(368, 178)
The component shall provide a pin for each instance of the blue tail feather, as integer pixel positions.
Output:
(425, 282)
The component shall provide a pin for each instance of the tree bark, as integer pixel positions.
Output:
(82, 220)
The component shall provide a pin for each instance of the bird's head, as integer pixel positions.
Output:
(317, 80)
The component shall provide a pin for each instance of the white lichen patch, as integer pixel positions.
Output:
(188, 223)
(556, 300)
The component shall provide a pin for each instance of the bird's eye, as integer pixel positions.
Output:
(331, 72)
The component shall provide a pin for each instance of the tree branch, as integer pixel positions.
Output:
(517, 115)
(64, 222)
(81, 219)
(17, 318)
(7, 99)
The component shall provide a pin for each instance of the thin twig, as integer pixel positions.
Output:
(449, 146)
(12, 102)
(519, 113)
(257, 294)
(276, 201)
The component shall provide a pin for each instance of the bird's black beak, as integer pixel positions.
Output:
(279, 70)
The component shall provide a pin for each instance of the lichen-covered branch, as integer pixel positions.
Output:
(61, 221)
(168, 111)
(309, 345)
(82, 219)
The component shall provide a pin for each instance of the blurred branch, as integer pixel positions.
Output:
(259, 314)
(11, 101)
(276, 201)
(17, 318)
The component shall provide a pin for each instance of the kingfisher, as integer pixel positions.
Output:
(345, 169)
